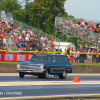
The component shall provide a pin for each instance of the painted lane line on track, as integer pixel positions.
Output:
(46, 83)
(52, 96)
(70, 74)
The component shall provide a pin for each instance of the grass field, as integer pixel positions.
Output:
(72, 63)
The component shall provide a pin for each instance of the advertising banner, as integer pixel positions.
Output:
(14, 57)
(19, 57)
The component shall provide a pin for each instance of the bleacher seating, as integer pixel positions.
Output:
(88, 31)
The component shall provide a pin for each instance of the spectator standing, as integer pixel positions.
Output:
(27, 38)
(42, 42)
(68, 52)
(5, 41)
(9, 40)
(33, 42)
(12, 26)
(0, 41)
(99, 28)
(43, 38)
(86, 23)
(98, 56)
(17, 42)
(75, 56)
(46, 40)
(36, 42)
(93, 56)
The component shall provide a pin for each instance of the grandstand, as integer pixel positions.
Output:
(18, 36)
(88, 31)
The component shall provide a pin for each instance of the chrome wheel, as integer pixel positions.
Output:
(46, 74)
(63, 76)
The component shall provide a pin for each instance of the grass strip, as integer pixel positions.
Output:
(9, 62)
(72, 63)
(85, 63)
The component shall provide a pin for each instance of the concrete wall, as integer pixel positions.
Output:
(8, 68)
(86, 68)
(11, 68)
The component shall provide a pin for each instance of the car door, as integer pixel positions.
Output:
(59, 64)
(66, 63)
(54, 65)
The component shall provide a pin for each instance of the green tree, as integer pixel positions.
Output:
(9, 5)
(14, 8)
(70, 16)
(42, 13)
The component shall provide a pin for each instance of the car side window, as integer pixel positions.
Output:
(65, 59)
(49, 58)
(54, 59)
(59, 59)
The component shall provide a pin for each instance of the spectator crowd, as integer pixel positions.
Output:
(90, 30)
(24, 40)
(85, 55)
(28, 40)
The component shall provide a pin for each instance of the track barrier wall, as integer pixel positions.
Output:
(11, 68)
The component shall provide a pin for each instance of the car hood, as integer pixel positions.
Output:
(31, 62)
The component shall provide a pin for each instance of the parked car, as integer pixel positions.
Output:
(43, 64)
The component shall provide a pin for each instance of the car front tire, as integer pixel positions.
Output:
(40, 75)
(21, 75)
(46, 74)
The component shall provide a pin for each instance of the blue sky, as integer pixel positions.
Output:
(86, 9)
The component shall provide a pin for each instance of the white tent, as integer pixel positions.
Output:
(63, 45)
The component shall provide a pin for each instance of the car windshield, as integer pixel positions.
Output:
(42, 58)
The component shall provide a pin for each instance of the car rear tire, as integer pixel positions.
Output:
(46, 74)
(63, 76)
(21, 75)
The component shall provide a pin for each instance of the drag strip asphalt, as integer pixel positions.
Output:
(31, 87)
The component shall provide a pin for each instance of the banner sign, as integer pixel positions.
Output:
(15, 57)
(19, 57)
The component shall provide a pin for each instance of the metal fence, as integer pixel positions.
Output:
(86, 58)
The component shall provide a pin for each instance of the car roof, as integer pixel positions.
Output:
(50, 54)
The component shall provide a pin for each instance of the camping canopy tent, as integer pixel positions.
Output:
(63, 45)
